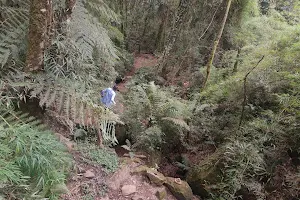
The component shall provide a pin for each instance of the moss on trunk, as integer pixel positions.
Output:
(37, 36)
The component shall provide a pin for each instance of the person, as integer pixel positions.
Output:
(108, 96)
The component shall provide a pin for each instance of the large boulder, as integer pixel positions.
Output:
(155, 177)
(128, 189)
(180, 189)
(161, 194)
(206, 173)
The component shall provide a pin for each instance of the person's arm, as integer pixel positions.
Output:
(103, 92)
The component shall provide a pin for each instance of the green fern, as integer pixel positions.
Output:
(12, 32)
(94, 34)
(164, 116)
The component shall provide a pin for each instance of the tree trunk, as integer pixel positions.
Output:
(50, 24)
(216, 43)
(162, 26)
(37, 36)
(173, 34)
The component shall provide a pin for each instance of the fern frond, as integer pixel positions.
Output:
(12, 32)
(72, 108)
(179, 122)
(108, 131)
(94, 35)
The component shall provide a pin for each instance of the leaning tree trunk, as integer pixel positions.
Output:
(216, 43)
(37, 36)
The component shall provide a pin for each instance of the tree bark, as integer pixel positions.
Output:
(162, 26)
(37, 36)
(216, 43)
(173, 34)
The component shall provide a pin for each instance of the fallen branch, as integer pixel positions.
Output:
(245, 92)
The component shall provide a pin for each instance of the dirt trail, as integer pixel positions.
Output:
(140, 60)
(110, 185)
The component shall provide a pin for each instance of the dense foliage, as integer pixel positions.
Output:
(30, 158)
(77, 63)
(248, 111)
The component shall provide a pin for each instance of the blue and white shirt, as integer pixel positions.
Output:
(108, 97)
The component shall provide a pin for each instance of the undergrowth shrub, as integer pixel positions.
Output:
(243, 163)
(107, 158)
(156, 118)
(33, 162)
(256, 151)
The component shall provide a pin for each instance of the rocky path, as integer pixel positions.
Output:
(131, 181)
(127, 184)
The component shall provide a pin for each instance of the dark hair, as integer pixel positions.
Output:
(115, 88)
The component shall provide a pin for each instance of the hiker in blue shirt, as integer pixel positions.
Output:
(108, 96)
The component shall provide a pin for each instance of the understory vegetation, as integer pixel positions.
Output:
(234, 136)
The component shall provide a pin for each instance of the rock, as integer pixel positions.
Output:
(140, 170)
(89, 174)
(80, 169)
(180, 189)
(155, 177)
(137, 197)
(121, 133)
(60, 189)
(161, 194)
(128, 189)
(207, 172)
(105, 198)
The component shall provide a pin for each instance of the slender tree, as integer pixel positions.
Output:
(173, 34)
(216, 43)
(37, 36)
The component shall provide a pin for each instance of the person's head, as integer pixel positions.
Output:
(115, 88)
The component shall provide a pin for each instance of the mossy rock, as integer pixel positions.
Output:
(60, 189)
(161, 194)
(140, 170)
(182, 190)
(156, 177)
(206, 173)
